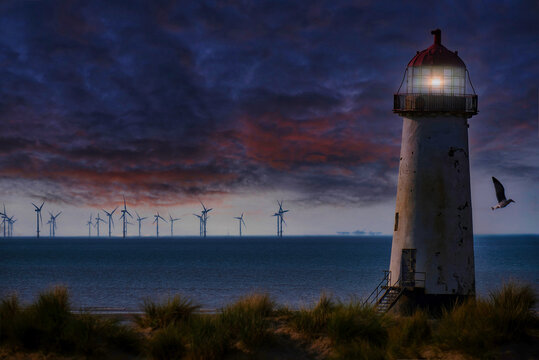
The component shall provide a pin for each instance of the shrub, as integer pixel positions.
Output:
(171, 312)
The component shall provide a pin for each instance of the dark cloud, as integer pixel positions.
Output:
(170, 100)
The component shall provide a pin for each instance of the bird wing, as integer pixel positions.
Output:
(500, 192)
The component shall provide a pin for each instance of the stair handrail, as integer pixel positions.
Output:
(376, 292)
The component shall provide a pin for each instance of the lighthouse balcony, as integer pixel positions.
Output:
(416, 104)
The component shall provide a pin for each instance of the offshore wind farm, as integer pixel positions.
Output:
(94, 223)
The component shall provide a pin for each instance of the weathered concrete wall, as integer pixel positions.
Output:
(434, 204)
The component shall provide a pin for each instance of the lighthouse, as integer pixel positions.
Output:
(432, 254)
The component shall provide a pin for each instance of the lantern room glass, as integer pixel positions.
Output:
(441, 80)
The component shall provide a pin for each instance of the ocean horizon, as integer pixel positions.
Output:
(116, 274)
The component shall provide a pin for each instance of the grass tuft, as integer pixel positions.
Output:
(171, 312)
(313, 322)
(408, 334)
(167, 343)
(353, 322)
(477, 326)
(49, 325)
(247, 320)
(207, 337)
(10, 309)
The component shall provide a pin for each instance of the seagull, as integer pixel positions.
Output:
(500, 195)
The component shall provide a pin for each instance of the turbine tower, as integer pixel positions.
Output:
(280, 219)
(240, 221)
(432, 253)
(109, 215)
(281, 213)
(205, 217)
(200, 222)
(97, 220)
(11, 221)
(52, 226)
(89, 223)
(139, 219)
(4, 219)
(172, 224)
(156, 222)
(124, 219)
(38, 216)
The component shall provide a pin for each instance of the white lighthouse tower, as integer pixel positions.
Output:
(432, 255)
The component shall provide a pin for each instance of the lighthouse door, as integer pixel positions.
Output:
(408, 267)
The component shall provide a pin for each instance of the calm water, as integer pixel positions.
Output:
(117, 273)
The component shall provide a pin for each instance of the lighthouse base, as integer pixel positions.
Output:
(434, 304)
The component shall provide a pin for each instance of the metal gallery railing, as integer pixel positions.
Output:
(456, 104)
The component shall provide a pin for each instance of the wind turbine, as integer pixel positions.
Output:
(200, 222)
(205, 216)
(139, 219)
(11, 221)
(172, 224)
(156, 222)
(38, 216)
(97, 220)
(124, 211)
(281, 212)
(241, 221)
(4, 219)
(89, 223)
(109, 214)
(52, 230)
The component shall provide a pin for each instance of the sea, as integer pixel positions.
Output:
(117, 275)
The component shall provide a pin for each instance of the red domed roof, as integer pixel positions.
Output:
(437, 54)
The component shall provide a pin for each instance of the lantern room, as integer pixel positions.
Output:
(435, 81)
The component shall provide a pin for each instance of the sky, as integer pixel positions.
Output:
(242, 103)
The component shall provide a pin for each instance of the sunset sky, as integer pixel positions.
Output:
(243, 103)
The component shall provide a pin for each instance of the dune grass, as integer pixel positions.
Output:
(312, 322)
(407, 335)
(478, 326)
(241, 326)
(48, 325)
(247, 320)
(249, 328)
(173, 311)
(207, 337)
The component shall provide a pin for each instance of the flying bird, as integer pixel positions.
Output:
(500, 195)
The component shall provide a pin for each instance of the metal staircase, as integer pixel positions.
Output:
(389, 298)
(385, 295)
